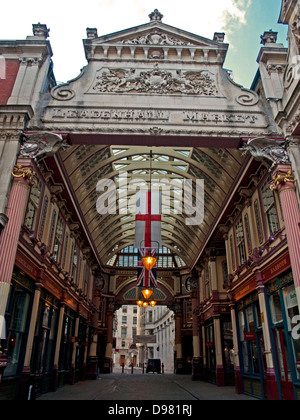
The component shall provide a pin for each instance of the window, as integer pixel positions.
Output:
(52, 228)
(240, 242)
(133, 332)
(74, 262)
(232, 252)
(207, 282)
(65, 250)
(134, 320)
(58, 238)
(248, 234)
(124, 309)
(123, 332)
(43, 217)
(124, 319)
(33, 204)
(269, 208)
(258, 222)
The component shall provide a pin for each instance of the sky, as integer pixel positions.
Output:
(243, 22)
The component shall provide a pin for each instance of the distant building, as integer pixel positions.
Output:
(126, 325)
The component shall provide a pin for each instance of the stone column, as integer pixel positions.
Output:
(284, 184)
(197, 362)
(178, 345)
(26, 381)
(220, 374)
(57, 347)
(237, 369)
(73, 367)
(107, 363)
(271, 389)
(23, 177)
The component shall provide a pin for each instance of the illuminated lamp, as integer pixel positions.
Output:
(147, 293)
(139, 303)
(152, 303)
(145, 304)
(149, 262)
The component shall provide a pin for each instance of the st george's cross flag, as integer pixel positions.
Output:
(145, 278)
(148, 219)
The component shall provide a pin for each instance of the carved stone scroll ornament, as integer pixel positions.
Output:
(41, 145)
(262, 148)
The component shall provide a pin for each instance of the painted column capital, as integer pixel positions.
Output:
(283, 179)
(24, 172)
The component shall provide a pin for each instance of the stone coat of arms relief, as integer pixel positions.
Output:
(155, 81)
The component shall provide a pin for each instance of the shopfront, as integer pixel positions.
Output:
(17, 324)
(251, 345)
(283, 314)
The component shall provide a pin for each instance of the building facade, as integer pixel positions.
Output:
(152, 101)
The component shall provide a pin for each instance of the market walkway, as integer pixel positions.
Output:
(139, 387)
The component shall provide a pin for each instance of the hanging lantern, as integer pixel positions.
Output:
(147, 293)
(152, 303)
(149, 262)
(139, 303)
(145, 304)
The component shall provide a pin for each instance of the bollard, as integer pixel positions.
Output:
(162, 368)
(122, 367)
(131, 367)
(143, 368)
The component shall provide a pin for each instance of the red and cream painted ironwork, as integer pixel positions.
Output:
(23, 177)
(284, 183)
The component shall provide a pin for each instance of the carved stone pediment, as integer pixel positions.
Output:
(153, 34)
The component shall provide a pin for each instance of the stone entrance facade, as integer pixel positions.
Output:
(156, 97)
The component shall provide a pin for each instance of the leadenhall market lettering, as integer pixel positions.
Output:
(190, 117)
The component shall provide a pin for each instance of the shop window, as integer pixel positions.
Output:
(284, 315)
(45, 336)
(240, 242)
(16, 323)
(33, 205)
(276, 308)
(269, 208)
(228, 350)
(250, 334)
